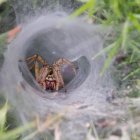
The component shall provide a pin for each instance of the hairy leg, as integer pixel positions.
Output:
(35, 58)
(36, 70)
(63, 61)
(57, 80)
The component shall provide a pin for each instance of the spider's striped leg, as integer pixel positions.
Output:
(58, 76)
(63, 61)
(42, 74)
(31, 59)
(36, 70)
(58, 84)
(35, 57)
(41, 60)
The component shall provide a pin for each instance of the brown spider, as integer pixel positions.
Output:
(49, 77)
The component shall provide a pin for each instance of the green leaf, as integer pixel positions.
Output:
(137, 2)
(111, 54)
(134, 19)
(132, 56)
(125, 34)
(115, 7)
(105, 50)
(15, 133)
(2, 1)
(3, 38)
(3, 113)
(136, 16)
(88, 5)
(91, 8)
(131, 74)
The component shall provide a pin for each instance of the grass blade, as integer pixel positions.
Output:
(2, 1)
(3, 114)
(131, 74)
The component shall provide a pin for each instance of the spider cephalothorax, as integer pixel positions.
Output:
(49, 77)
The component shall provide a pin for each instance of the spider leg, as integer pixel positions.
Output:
(42, 74)
(34, 58)
(31, 59)
(57, 71)
(63, 61)
(41, 60)
(36, 70)
(58, 81)
(59, 78)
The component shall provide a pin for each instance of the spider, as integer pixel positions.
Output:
(49, 77)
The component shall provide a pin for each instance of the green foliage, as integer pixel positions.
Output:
(134, 94)
(3, 38)
(124, 17)
(36, 127)
(111, 54)
(2, 1)
(89, 6)
(3, 113)
(15, 133)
